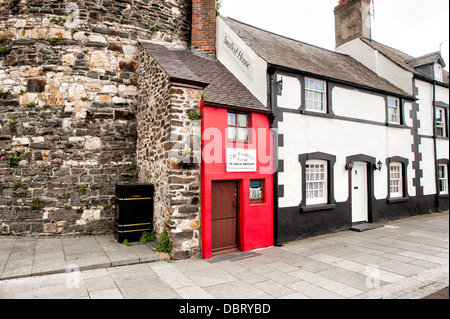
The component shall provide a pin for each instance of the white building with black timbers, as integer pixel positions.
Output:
(362, 131)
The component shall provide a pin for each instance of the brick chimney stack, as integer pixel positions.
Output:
(352, 20)
(203, 36)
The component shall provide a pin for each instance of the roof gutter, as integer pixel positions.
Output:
(237, 108)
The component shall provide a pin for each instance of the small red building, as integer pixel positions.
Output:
(236, 180)
(235, 172)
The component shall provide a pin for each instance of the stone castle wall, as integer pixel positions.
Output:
(71, 111)
(164, 129)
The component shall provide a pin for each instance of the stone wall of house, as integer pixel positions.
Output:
(69, 70)
(164, 129)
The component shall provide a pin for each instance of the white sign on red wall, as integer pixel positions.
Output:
(240, 160)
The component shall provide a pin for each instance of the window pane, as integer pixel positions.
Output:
(242, 134)
(231, 119)
(439, 115)
(395, 180)
(242, 120)
(231, 133)
(257, 189)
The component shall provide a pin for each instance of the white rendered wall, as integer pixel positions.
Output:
(442, 94)
(341, 138)
(425, 114)
(378, 63)
(291, 93)
(428, 181)
(254, 75)
(359, 105)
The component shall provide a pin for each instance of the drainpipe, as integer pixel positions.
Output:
(436, 166)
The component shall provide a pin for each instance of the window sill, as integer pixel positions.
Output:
(396, 125)
(443, 196)
(314, 208)
(319, 114)
(394, 200)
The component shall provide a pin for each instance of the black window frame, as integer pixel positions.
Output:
(404, 165)
(331, 161)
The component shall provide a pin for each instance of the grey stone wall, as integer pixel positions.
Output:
(164, 129)
(71, 111)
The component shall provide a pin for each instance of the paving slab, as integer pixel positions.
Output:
(22, 256)
(406, 259)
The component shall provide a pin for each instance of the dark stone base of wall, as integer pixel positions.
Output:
(293, 224)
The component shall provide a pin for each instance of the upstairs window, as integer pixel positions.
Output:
(441, 125)
(393, 105)
(238, 127)
(315, 95)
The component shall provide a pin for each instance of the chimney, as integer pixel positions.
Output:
(352, 20)
(203, 37)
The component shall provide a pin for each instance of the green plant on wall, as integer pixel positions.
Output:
(152, 30)
(13, 159)
(13, 121)
(54, 41)
(17, 185)
(36, 204)
(4, 50)
(194, 115)
(4, 94)
(165, 243)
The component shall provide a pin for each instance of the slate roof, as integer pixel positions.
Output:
(427, 59)
(282, 51)
(407, 61)
(221, 86)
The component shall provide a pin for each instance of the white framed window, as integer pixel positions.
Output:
(316, 182)
(443, 179)
(238, 127)
(315, 95)
(393, 105)
(395, 180)
(441, 126)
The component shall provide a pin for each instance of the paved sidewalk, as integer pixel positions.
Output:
(24, 256)
(405, 259)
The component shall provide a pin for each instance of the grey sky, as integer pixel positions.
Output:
(415, 27)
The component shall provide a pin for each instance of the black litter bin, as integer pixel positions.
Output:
(133, 212)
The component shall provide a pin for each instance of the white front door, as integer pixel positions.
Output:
(359, 192)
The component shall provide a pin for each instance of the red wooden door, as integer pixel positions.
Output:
(224, 217)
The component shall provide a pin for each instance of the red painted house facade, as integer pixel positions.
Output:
(231, 209)
(236, 180)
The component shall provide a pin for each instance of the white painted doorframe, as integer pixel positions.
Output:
(360, 203)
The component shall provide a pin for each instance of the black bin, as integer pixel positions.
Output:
(133, 212)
